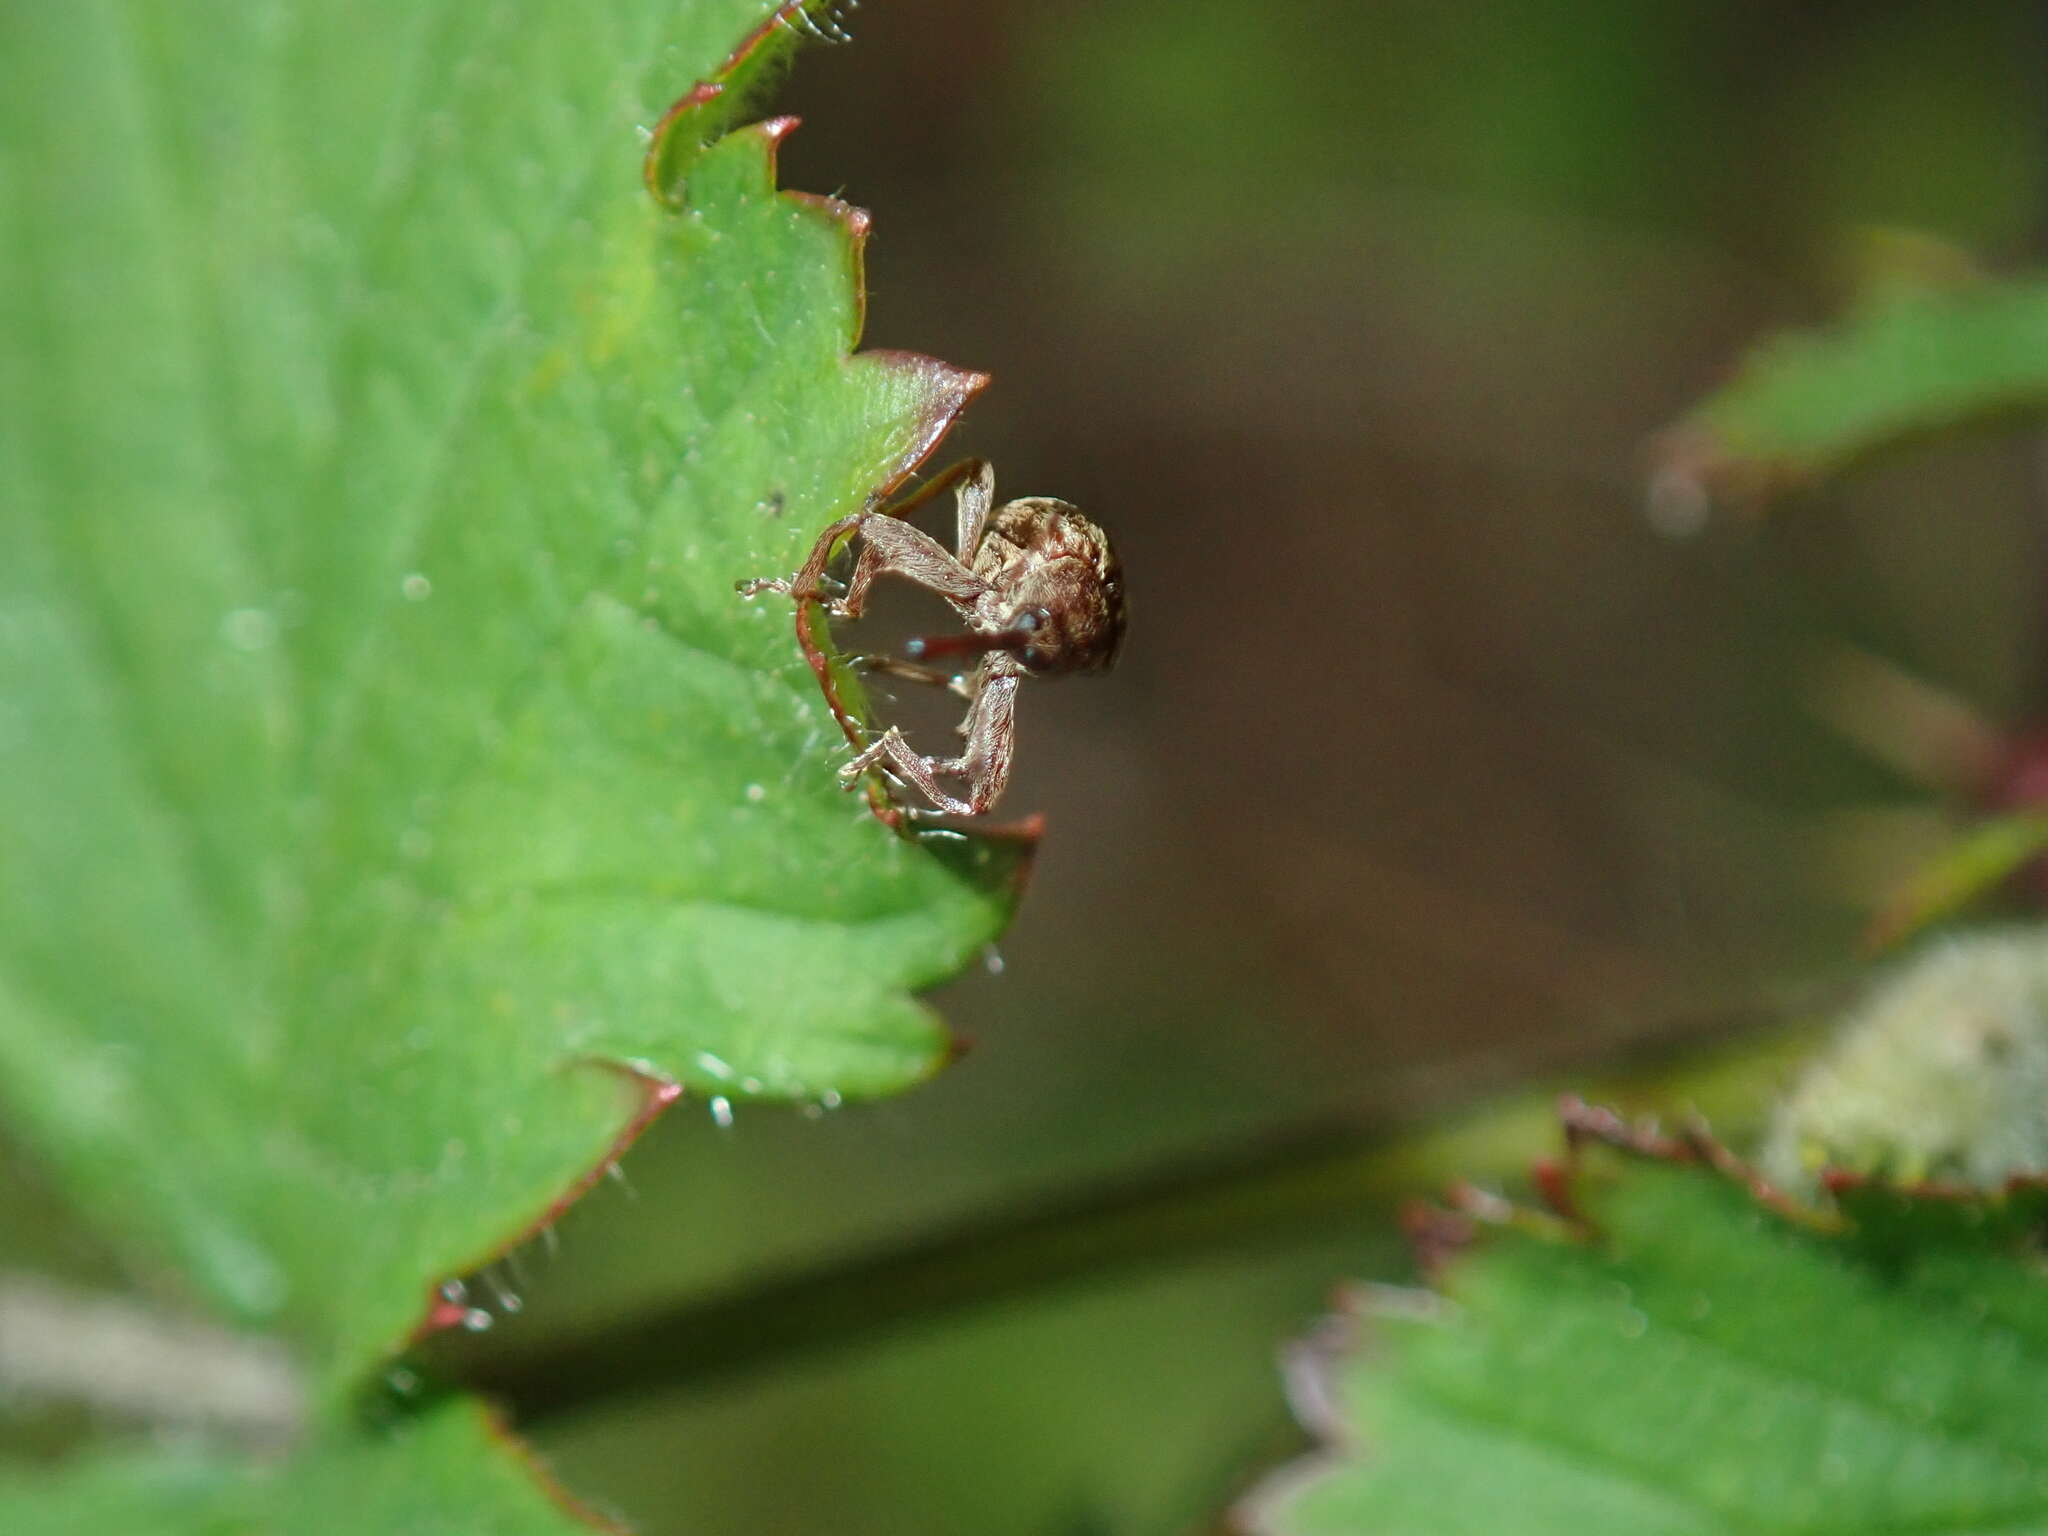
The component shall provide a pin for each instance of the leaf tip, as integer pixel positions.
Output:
(447, 1304)
(499, 1430)
(704, 112)
(945, 389)
(1694, 467)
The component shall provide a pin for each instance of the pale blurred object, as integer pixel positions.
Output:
(1941, 1074)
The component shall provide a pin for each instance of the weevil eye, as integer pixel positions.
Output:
(1029, 656)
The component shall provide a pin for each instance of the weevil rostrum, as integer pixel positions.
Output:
(1042, 595)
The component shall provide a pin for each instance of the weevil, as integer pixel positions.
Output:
(1040, 590)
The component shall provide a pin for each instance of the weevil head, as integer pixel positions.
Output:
(1058, 586)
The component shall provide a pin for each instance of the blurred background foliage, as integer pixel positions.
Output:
(1435, 763)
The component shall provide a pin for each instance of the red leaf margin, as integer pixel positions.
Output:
(698, 118)
(946, 392)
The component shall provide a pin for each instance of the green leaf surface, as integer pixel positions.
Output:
(1908, 361)
(437, 1473)
(384, 754)
(1681, 1356)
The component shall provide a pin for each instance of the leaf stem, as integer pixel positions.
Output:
(135, 1365)
(1281, 1186)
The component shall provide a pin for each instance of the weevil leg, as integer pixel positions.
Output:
(809, 581)
(910, 671)
(991, 732)
(967, 475)
(890, 545)
(892, 751)
(976, 496)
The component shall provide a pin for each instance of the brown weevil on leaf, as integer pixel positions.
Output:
(1042, 595)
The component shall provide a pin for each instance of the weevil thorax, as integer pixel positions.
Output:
(1054, 575)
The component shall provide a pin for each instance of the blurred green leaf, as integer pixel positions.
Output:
(1974, 866)
(1907, 361)
(172, 1493)
(440, 1472)
(384, 754)
(1695, 1361)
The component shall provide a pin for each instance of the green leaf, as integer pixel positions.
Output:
(171, 1493)
(1910, 360)
(1675, 1354)
(442, 1471)
(1980, 860)
(395, 798)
